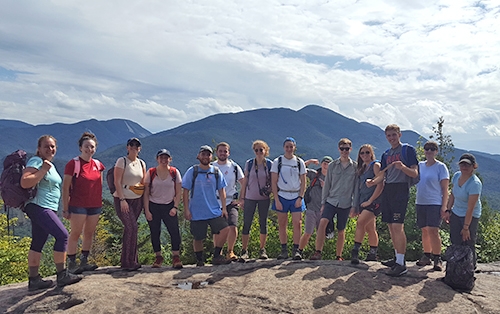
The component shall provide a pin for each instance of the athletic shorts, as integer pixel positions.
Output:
(329, 211)
(232, 214)
(199, 228)
(85, 210)
(428, 216)
(373, 208)
(312, 220)
(289, 206)
(394, 202)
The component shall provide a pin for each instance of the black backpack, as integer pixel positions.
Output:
(110, 175)
(460, 267)
(13, 194)
(195, 174)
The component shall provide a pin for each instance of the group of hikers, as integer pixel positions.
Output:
(341, 188)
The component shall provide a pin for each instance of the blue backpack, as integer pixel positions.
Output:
(405, 158)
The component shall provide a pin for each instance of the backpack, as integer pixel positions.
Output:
(195, 174)
(280, 163)
(460, 267)
(404, 157)
(307, 194)
(13, 194)
(110, 175)
(152, 174)
(266, 190)
(76, 170)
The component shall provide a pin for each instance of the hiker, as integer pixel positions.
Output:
(200, 185)
(288, 181)
(337, 198)
(464, 205)
(367, 202)
(399, 165)
(313, 205)
(431, 202)
(42, 212)
(82, 201)
(232, 174)
(162, 195)
(129, 173)
(255, 191)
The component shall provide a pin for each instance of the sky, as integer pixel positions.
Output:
(165, 63)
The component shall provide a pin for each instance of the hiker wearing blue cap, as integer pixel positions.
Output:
(288, 182)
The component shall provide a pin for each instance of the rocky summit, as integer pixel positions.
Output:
(261, 287)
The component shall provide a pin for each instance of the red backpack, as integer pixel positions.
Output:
(152, 174)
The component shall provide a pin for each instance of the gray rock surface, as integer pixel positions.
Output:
(260, 287)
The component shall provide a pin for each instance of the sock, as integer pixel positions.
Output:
(436, 257)
(373, 250)
(217, 251)
(357, 245)
(72, 257)
(284, 247)
(400, 259)
(59, 267)
(318, 251)
(33, 271)
(395, 253)
(199, 255)
(295, 247)
(85, 254)
(427, 254)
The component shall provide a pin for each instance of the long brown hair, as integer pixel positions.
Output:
(361, 165)
(40, 141)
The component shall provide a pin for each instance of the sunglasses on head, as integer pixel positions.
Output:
(259, 150)
(365, 153)
(344, 149)
(430, 149)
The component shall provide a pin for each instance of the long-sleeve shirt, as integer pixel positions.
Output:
(338, 189)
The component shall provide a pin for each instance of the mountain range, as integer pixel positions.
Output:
(316, 129)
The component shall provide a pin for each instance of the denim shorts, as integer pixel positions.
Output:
(89, 211)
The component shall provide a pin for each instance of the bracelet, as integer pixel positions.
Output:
(301, 197)
(122, 199)
(175, 207)
(447, 211)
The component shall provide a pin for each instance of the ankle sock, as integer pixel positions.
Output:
(284, 247)
(199, 255)
(400, 259)
(217, 251)
(59, 267)
(427, 254)
(373, 250)
(33, 271)
(72, 257)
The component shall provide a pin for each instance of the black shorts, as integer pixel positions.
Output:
(428, 216)
(394, 202)
(199, 227)
(329, 211)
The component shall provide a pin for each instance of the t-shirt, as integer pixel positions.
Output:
(364, 193)
(49, 188)
(393, 175)
(227, 170)
(163, 191)
(203, 204)
(86, 189)
(472, 186)
(132, 175)
(262, 174)
(429, 190)
(315, 203)
(289, 176)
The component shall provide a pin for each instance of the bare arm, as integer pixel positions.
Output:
(471, 203)
(274, 186)
(185, 200)
(31, 176)
(67, 180)
(444, 191)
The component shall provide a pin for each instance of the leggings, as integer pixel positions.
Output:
(249, 211)
(44, 221)
(129, 256)
(161, 212)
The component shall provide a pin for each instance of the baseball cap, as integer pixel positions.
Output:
(163, 151)
(289, 139)
(467, 158)
(206, 148)
(327, 158)
(133, 140)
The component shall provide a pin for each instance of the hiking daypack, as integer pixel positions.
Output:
(152, 174)
(404, 157)
(76, 170)
(460, 267)
(307, 194)
(13, 194)
(280, 163)
(110, 175)
(195, 174)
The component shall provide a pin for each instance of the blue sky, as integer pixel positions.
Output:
(165, 63)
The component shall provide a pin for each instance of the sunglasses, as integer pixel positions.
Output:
(344, 149)
(365, 153)
(430, 149)
(134, 145)
(258, 150)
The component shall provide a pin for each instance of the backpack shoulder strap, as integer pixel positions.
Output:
(279, 164)
(298, 164)
(173, 173)
(76, 168)
(216, 174)
(404, 152)
(235, 170)
(195, 174)
(250, 165)
(269, 164)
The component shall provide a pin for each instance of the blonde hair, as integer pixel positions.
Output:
(261, 143)
(40, 141)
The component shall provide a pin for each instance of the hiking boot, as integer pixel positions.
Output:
(200, 263)
(74, 268)
(244, 255)
(424, 261)
(316, 256)
(371, 258)
(85, 266)
(37, 283)
(389, 263)
(339, 258)
(64, 278)
(158, 262)
(438, 264)
(397, 270)
(176, 262)
(231, 256)
(355, 257)
(298, 255)
(283, 255)
(263, 254)
(220, 260)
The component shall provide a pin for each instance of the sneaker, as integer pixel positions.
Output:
(330, 235)
(200, 263)
(389, 263)
(298, 255)
(339, 258)
(283, 255)
(355, 257)
(85, 266)
(263, 254)
(176, 262)
(316, 256)
(438, 264)
(220, 260)
(424, 261)
(244, 255)
(64, 278)
(231, 256)
(74, 268)
(397, 270)
(371, 258)
(133, 268)
(158, 262)
(37, 283)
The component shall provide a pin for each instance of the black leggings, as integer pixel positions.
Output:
(161, 212)
(249, 211)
